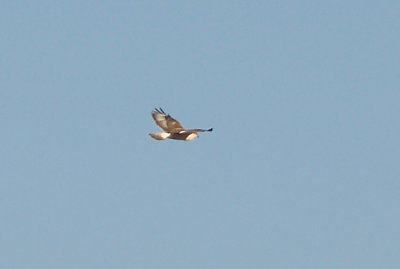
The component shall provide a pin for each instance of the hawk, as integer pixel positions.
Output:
(172, 128)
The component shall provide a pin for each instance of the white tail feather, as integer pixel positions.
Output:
(160, 136)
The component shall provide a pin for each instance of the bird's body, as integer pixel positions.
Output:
(172, 129)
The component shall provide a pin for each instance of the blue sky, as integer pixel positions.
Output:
(301, 171)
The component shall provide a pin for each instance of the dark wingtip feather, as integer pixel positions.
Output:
(159, 110)
(210, 130)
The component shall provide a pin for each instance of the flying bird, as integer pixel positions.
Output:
(172, 129)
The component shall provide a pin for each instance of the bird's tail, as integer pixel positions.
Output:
(160, 136)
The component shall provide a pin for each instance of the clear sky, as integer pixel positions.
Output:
(302, 169)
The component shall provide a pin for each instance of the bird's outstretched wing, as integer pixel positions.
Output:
(200, 130)
(166, 122)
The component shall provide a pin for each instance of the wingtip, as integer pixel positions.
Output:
(210, 130)
(158, 110)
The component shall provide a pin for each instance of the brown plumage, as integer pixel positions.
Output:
(172, 128)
